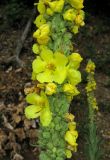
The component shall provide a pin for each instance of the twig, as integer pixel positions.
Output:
(15, 58)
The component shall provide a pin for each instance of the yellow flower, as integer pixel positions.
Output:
(68, 153)
(32, 111)
(41, 7)
(43, 47)
(75, 29)
(91, 86)
(74, 133)
(37, 99)
(70, 137)
(40, 20)
(73, 148)
(73, 76)
(70, 15)
(39, 108)
(78, 4)
(45, 117)
(50, 67)
(72, 126)
(94, 104)
(46, 1)
(90, 67)
(56, 6)
(69, 116)
(70, 89)
(35, 48)
(42, 34)
(49, 11)
(79, 20)
(75, 60)
(50, 88)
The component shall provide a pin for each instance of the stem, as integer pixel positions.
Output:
(52, 144)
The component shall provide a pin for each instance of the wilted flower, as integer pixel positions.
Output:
(69, 116)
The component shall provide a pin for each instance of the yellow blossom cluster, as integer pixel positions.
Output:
(71, 135)
(91, 85)
(73, 14)
(90, 68)
(42, 34)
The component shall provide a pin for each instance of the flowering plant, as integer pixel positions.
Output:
(56, 76)
(93, 150)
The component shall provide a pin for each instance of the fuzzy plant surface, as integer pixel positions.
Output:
(55, 76)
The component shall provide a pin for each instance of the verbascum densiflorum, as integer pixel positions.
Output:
(55, 73)
(91, 85)
(92, 138)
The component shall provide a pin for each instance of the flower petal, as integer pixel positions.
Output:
(46, 54)
(45, 77)
(41, 7)
(68, 153)
(70, 138)
(38, 65)
(74, 76)
(35, 48)
(72, 126)
(45, 117)
(75, 60)
(61, 59)
(36, 99)
(45, 98)
(40, 20)
(32, 111)
(60, 75)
